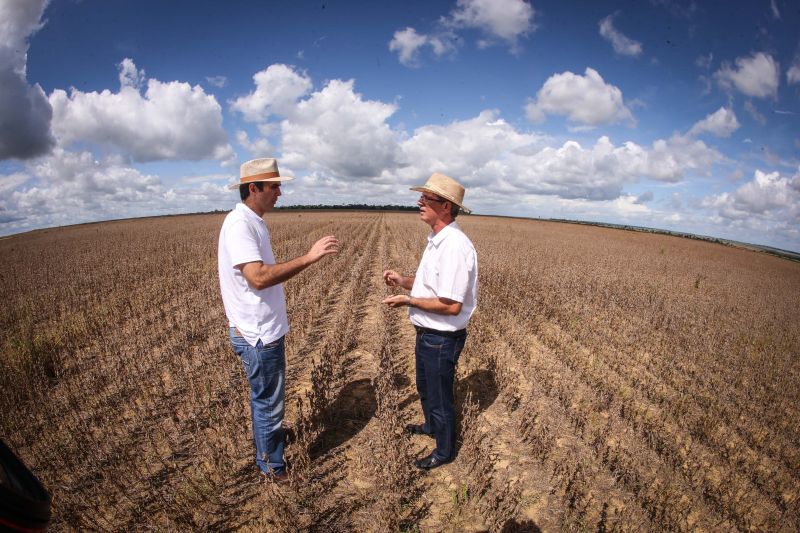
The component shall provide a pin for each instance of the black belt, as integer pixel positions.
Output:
(449, 334)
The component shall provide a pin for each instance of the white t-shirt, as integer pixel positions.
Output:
(257, 314)
(448, 269)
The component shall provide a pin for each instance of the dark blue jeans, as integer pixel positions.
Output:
(265, 367)
(436, 360)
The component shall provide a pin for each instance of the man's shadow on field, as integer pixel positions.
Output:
(352, 409)
(480, 385)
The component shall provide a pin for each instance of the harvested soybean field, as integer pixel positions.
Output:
(611, 381)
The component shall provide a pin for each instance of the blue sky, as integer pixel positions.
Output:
(670, 114)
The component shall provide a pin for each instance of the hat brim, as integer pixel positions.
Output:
(279, 179)
(425, 188)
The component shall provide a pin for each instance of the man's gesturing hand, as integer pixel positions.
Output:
(392, 278)
(321, 248)
(398, 300)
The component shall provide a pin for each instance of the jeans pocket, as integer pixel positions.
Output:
(431, 342)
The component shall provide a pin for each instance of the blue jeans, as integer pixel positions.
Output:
(436, 360)
(265, 367)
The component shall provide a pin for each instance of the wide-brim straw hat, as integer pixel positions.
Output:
(255, 170)
(446, 187)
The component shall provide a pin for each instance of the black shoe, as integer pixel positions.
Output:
(416, 429)
(430, 462)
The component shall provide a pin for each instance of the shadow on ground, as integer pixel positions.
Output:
(347, 415)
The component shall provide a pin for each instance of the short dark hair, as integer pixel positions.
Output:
(454, 210)
(244, 189)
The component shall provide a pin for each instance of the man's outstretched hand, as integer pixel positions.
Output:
(325, 246)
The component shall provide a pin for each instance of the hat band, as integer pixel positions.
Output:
(259, 177)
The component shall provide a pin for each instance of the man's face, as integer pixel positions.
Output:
(266, 199)
(431, 208)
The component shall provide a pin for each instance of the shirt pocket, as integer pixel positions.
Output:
(430, 276)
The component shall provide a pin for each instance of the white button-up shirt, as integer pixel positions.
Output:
(448, 269)
(257, 314)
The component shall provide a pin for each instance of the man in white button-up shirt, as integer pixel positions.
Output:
(444, 292)
(252, 291)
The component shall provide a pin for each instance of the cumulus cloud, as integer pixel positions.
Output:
(25, 113)
(256, 146)
(766, 195)
(278, 87)
(172, 120)
(477, 149)
(507, 20)
(12, 181)
(408, 43)
(586, 100)
(129, 75)
(721, 123)
(757, 76)
(336, 129)
(335, 138)
(622, 44)
(73, 187)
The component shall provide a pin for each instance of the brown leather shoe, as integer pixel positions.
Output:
(272, 477)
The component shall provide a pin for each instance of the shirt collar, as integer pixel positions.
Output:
(437, 239)
(248, 212)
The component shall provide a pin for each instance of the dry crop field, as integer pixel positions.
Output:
(612, 381)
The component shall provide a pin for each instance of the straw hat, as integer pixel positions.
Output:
(264, 169)
(446, 187)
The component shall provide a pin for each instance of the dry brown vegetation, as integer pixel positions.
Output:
(612, 381)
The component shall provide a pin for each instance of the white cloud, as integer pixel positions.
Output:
(340, 140)
(171, 120)
(25, 111)
(508, 20)
(73, 187)
(476, 149)
(407, 43)
(757, 76)
(504, 20)
(337, 130)
(257, 147)
(278, 87)
(586, 100)
(12, 181)
(130, 76)
(622, 44)
(721, 123)
(766, 196)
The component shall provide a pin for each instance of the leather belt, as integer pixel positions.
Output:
(449, 334)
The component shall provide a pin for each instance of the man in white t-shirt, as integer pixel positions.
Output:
(251, 283)
(444, 292)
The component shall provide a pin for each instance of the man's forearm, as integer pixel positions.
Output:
(407, 282)
(268, 275)
(439, 306)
